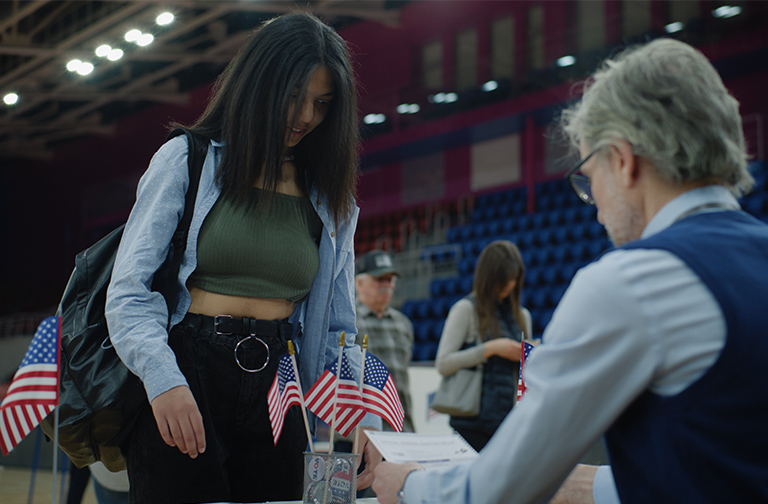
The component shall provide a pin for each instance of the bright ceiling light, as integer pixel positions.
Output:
(674, 27)
(374, 118)
(408, 108)
(566, 61)
(165, 18)
(11, 99)
(115, 54)
(145, 39)
(103, 50)
(726, 11)
(491, 85)
(451, 97)
(85, 68)
(73, 65)
(132, 35)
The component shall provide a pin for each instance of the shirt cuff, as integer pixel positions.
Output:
(415, 486)
(603, 486)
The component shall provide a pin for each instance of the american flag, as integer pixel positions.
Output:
(380, 394)
(527, 347)
(34, 391)
(283, 394)
(320, 398)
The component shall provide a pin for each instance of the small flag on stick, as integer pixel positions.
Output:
(380, 394)
(284, 393)
(321, 397)
(526, 350)
(34, 391)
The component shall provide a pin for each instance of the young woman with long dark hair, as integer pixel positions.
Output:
(269, 257)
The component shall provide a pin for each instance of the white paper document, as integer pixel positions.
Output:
(429, 450)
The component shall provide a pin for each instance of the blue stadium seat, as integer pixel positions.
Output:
(450, 285)
(542, 256)
(561, 253)
(556, 293)
(544, 237)
(467, 232)
(579, 251)
(595, 230)
(567, 271)
(555, 217)
(437, 330)
(408, 308)
(571, 214)
(538, 298)
(422, 309)
(439, 307)
(422, 351)
(494, 228)
(533, 277)
(454, 234)
(560, 234)
(466, 283)
(437, 287)
(424, 331)
(466, 266)
(596, 247)
(508, 225)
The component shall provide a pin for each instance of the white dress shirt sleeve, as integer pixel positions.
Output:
(620, 329)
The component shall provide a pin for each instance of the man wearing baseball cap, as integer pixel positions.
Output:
(390, 333)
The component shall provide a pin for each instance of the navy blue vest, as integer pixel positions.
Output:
(708, 443)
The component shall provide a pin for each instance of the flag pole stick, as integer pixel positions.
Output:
(292, 352)
(55, 451)
(56, 411)
(356, 444)
(336, 392)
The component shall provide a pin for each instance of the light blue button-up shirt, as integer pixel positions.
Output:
(137, 317)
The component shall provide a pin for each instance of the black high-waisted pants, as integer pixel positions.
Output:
(241, 462)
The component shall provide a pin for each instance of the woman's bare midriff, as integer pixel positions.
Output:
(213, 304)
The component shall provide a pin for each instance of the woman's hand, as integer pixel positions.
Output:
(503, 347)
(179, 420)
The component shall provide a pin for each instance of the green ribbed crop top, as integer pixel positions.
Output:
(267, 252)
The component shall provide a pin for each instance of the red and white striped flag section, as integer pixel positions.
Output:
(34, 391)
(320, 398)
(380, 394)
(283, 394)
(526, 350)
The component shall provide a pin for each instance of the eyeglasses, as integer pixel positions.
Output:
(580, 183)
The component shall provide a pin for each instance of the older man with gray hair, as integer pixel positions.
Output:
(660, 344)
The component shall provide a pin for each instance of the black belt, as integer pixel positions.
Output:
(243, 326)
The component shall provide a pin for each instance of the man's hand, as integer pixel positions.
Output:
(367, 450)
(390, 478)
(577, 487)
(179, 420)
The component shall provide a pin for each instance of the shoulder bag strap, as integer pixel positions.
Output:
(197, 151)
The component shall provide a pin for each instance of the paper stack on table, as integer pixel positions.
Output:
(430, 450)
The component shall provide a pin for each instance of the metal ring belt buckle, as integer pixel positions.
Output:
(266, 361)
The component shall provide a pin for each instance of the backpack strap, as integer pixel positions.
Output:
(198, 148)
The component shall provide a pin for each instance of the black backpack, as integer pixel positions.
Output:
(100, 399)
